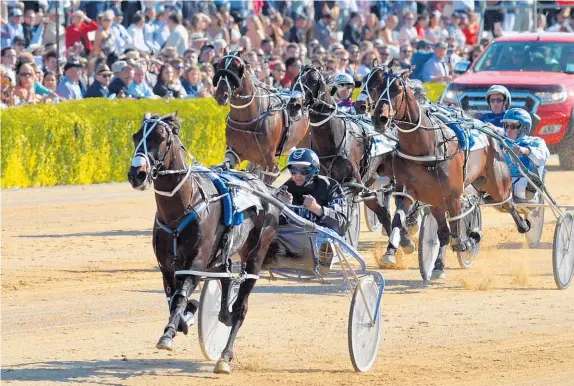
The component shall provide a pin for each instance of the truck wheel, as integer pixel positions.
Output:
(566, 147)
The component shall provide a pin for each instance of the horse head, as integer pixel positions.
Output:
(230, 72)
(396, 100)
(307, 88)
(153, 142)
(370, 90)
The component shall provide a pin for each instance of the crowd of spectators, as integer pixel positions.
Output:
(167, 49)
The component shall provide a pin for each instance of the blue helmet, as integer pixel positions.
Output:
(498, 89)
(520, 116)
(307, 159)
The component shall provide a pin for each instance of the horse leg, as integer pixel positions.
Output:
(380, 209)
(396, 231)
(178, 306)
(459, 242)
(499, 194)
(443, 234)
(224, 313)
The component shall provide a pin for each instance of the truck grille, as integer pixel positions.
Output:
(475, 101)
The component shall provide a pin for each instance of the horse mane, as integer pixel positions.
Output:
(172, 120)
(417, 86)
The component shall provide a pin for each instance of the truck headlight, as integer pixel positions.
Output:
(550, 97)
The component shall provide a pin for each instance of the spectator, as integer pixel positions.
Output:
(388, 33)
(124, 75)
(179, 37)
(323, 31)
(421, 25)
(6, 88)
(354, 55)
(138, 88)
(408, 32)
(191, 82)
(405, 55)
(99, 89)
(470, 30)
(50, 62)
(69, 86)
(50, 80)
(562, 22)
(190, 57)
(216, 30)
(384, 54)
(165, 86)
(138, 34)
(371, 27)
(267, 46)
(292, 51)
(105, 41)
(343, 65)
(436, 69)
(122, 37)
(77, 32)
(24, 92)
(8, 58)
(208, 70)
(207, 54)
(159, 26)
(454, 30)
(13, 28)
(277, 73)
(331, 66)
(32, 32)
(352, 31)
(197, 40)
(255, 31)
(293, 67)
(474, 53)
(297, 32)
(367, 61)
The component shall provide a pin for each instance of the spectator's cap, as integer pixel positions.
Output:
(160, 8)
(300, 16)
(104, 70)
(198, 37)
(441, 45)
(436, 14)
(379, 43)
(220, 44)
(14, 12)
(119, 66)
(72, 63)
(423, 45)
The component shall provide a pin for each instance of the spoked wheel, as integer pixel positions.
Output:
(354, 221)
(429, 246)
(563, 251)
(536, 219)
(213, 334)
(471, 222)
(364, 337)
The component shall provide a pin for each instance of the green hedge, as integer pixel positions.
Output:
(89, 141)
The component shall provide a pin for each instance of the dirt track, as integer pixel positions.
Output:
(82, 303)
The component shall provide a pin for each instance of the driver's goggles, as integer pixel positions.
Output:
(306, 170)
(344, 86)
(511, 126)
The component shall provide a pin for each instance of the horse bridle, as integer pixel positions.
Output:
(301, 93)
(155, 166)
(223, 75)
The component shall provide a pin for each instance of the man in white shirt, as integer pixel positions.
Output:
(179, 37)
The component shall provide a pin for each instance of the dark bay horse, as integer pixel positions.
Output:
(257, 128)
(342, 145)
(190, 233)
(430, 163)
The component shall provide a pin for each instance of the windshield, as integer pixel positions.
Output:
(527, 56)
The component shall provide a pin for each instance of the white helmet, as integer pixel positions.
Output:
(498, 89)
(344, 78)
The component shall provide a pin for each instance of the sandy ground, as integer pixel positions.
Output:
(82, 303)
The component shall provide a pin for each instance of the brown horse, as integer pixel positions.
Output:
(258, 128)
(430, 163)
(343, 146)
(191, 231)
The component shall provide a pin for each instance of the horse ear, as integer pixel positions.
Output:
(248, 66)
(405, 75)
(147, 115)
(333, 90)
(358, 83)
(375, 62)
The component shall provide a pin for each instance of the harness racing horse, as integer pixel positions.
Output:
(342, 144)
(257, 128)
(431, 164)
(191, 231)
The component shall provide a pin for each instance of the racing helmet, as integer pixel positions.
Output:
(499, 89)
(520, 116)
(307, 159)
(343, 79)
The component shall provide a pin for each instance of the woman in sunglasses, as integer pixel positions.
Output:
(532, 151)
(26, 78)
(345, 85)
(498, 99)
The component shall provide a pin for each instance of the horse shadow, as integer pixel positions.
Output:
(92, 234)
(522, 245)
(109, 372)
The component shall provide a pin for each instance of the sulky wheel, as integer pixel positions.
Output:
(429, 246)
(354, 221)
(213, 334)
(563, 251)
(536, 218)
(471, 222)
(364, 337)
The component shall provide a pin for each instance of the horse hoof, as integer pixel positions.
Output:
(409, 248)
(387, 261)
(437, 274)
(165, 343)
(222, 367)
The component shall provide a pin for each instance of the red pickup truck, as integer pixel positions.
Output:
(538, 69)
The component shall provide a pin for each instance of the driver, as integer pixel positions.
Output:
(316, 198)
(498, 99)
(532, 151)
(345, 86)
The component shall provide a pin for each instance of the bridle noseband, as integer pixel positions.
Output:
(225, 72)
(302, 92)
